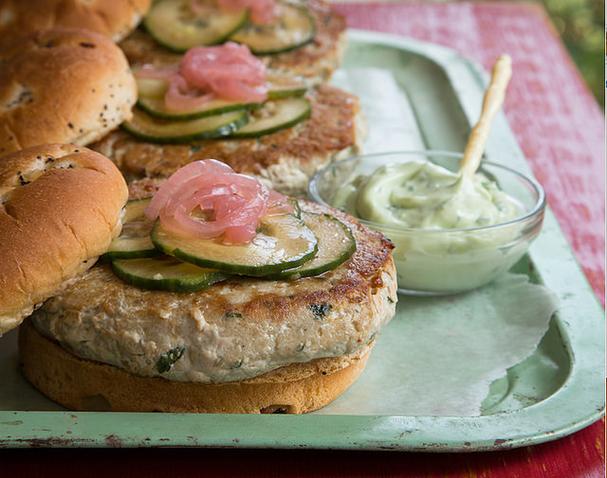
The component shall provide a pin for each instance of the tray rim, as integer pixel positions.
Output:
(575, 405)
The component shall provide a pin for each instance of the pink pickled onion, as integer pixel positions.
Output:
(179, 177)
(262, 11)
(230, 71)
(180, 97)
(227, 204)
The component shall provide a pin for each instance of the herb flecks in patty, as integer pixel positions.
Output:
(320, 311)
(233, 315)
(166, 360)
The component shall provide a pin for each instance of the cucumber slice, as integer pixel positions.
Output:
(336, 245)
(155, 107)
(151, 87)
(159, 130)
(278, 87)
(274, 116)
(174, 25)
(134, 239)
(286, 92)
(284, 87)
(293, 28)
(283, 242)
(151, 99)
(165, 273)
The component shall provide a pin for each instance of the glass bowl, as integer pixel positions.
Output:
(446, 261)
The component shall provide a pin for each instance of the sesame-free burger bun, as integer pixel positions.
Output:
(62, 86)
(113, 18)
(60, 207)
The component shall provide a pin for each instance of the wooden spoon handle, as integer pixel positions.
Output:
(492, 102)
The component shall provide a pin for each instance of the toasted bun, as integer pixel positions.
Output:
(113, 18)
(62, 86)
(86, 385)
(60, 207)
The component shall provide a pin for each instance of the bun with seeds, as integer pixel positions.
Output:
(62, 86)
(60, 207)
(113, 18)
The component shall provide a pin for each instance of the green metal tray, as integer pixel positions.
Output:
(556, 391)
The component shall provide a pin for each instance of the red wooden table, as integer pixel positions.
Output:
(561, 130)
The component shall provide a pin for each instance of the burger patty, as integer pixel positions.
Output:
(234, 330)
(286, 159)
(315, 62)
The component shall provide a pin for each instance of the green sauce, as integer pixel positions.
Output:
(428, 199)
(422, 195)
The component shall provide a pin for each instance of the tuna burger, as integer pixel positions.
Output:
(220, 296)
(222, 102)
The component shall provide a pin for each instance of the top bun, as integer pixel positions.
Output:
(113, 18)
(62, 86)
(60, 206)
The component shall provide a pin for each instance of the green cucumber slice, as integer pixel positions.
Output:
(150, 87)
(151, 99)
(155, 107)
(165, 273)
(283, 242)
(286, 92)
(293, 28)
(280, 87)
(134, 239)
(157, 130)
(174, 25)
(336, 244)
(274, 116)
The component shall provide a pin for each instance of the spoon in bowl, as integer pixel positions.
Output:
(492, 102)
(437, 194)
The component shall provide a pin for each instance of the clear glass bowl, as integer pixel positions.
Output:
(446, 261)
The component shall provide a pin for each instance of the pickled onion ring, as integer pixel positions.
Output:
(180, 97)
(207, 199)
(178, 178)
(230, 71)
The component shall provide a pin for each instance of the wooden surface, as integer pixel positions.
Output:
(560, 128)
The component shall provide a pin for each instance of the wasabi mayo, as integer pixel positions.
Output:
(424, 208)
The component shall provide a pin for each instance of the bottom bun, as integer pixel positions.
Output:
(80, 384)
